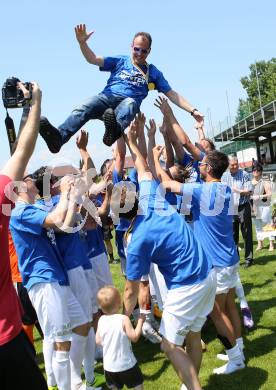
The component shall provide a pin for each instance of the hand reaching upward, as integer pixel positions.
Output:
(151, 128)
(81, 34)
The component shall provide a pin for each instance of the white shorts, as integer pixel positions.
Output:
(81, 290)
(227, 278)
(57, 309)
(157, 284)
(186, 309)
(102, 271)
(93, 289)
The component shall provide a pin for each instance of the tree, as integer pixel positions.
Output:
(266, 71)
(243, 110)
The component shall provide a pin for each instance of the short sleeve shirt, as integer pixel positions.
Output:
(126, 80)
(212, 210)
(38, 258)
(160, 235)
(10, 312)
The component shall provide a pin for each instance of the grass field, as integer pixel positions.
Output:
(260, 344)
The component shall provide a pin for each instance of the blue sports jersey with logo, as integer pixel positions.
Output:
(126, 80)
(160, 235)
(212, 210)
(38, 257)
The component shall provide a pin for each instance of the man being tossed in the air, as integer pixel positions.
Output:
(130, 80)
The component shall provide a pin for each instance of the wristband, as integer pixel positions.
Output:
(192, 112)
(145, 311)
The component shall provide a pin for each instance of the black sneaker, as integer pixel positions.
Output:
(113, 130)
(248, 263)
(51, 135)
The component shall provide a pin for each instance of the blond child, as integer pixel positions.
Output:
(115, 333)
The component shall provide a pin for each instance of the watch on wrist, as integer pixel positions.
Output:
(192, 112)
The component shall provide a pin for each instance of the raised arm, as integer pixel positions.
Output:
(55, 219)
(167, 182)
(176, 144)
(141, 135)
(82, 37)
(181, 102)
(200, 129)
(151, 144)
(81, 142)
(168, 145)
(120, 155)
(17, 164)
(139, 161)
(165, 108)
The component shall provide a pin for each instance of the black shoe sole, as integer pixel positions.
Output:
(51, 135)
(113, 130)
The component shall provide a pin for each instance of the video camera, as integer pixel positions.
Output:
(12, 96)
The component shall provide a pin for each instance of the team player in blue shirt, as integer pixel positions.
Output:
(44, 275)
(130, 80)
(212, 208)
(74, 258)
(160, 235)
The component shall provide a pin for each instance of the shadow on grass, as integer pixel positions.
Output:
(250, 378)
(265, 258)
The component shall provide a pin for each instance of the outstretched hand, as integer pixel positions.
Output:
(132, 134)
(81, 34)
(163, 105)
(82, 140)
(151, 128)
(199, 118)
(157, 151)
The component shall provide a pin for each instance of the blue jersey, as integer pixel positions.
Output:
(38, 257)
(70, 245)
(94, 241)
(160, 235)
(118, 180)
(189, 160)
(212, 208)
(127, 81)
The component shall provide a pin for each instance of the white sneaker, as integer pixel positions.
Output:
(183, 387)
(150, 333)
(229, 368)
(89, 386)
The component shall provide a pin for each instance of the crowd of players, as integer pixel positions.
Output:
(173, 217)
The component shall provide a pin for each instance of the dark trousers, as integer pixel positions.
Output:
(18, 369)
(244, 220)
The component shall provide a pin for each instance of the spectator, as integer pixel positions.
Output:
(15, 352)
(239, 181)
(261, 204)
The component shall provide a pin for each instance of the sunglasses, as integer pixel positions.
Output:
(200, 163)
(140, 50)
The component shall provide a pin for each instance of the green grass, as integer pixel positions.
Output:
(260, 344)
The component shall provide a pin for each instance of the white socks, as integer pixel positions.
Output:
(89, 357)
(48, 350)
(77, 349)
(240, 293)
(61, 368)
(235, 362)
(225, 358)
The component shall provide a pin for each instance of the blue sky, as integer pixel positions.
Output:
(203, 48)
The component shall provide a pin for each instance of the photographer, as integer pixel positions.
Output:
(15, 349)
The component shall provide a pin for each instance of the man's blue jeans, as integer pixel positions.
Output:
(93, 108)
